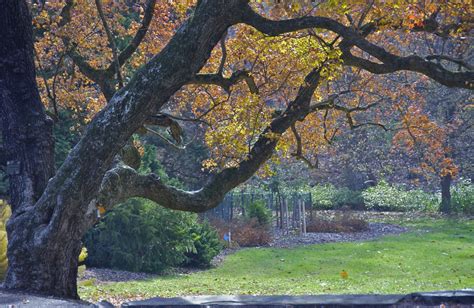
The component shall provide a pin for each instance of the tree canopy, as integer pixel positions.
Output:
(265, 80)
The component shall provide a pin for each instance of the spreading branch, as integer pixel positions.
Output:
(104, 77)
(220, 70)
(389, 62)
(123, 182)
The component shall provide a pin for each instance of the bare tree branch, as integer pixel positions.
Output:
(459, 62)
(299, 149)
(224, 54)
(110, 37)
(128, 51)
(103, 77)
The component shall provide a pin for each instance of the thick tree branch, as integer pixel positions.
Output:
(122, 182)
(75, 186)
(389, 62)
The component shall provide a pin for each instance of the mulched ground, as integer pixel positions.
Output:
(280, 240)
(376, 230)
(104, 275)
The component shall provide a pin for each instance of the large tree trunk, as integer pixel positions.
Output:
(51, 216)
(446, 194)
(26, 130)
(27, 133)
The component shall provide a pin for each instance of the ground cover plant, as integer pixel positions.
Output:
(437, 254)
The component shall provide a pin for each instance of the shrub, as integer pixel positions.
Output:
(259, 211)
(245, 232)
(329, 197)
(4, 215)
(347, 197)
(206, 245)
(391, 198)
(322, 196)
(341, 223)
(462, 195)
(142, 236)
(250, 233)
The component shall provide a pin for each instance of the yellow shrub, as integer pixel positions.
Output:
(4, 215)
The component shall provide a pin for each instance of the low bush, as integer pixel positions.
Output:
(250, 233)
(322, 196)
(462, 195)
(206, 245)
(258, 210)
(328, 197)
(4, 215)
(142, 236)
(244, 232)
(344, 197)
(386, 197)
(344, 222)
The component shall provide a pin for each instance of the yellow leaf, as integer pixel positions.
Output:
(101, 210)
(344, 274)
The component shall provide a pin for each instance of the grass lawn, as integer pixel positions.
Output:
(435, 255)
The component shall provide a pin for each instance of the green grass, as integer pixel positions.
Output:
(435, 255)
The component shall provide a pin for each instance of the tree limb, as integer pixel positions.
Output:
(103, 76)
(459, 62)
(390, 62)
(128, 51)
(220, 70)
(299, 149)
(226, 83)
(110, 37)
(123, 182)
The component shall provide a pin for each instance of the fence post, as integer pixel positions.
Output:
(303, 205)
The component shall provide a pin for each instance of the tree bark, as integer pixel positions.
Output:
(27, 134)
(446, 194)
(50, 217)
(26, 130)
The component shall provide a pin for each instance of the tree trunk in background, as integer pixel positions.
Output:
(49, 267)
(446, 194)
